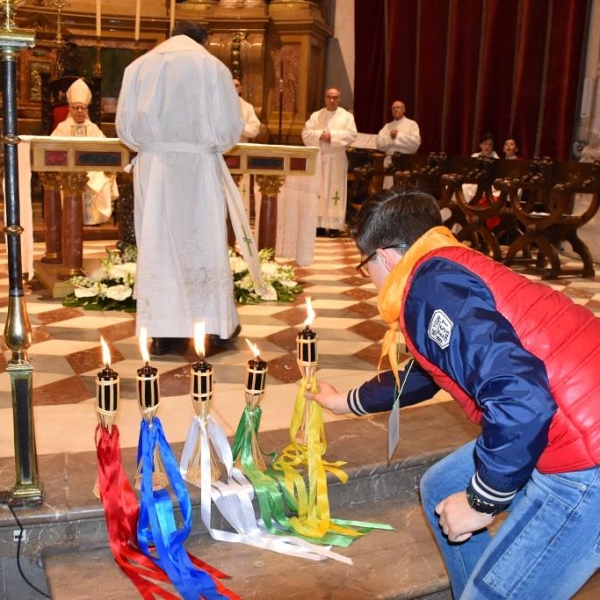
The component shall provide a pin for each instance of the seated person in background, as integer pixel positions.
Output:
(521, 360)
(486, 148)
(101, 190)
(510, 149)
(400, 135)
(251, 122)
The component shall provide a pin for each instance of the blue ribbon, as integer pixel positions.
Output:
(156, 525)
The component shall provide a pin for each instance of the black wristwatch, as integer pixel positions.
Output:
(489, 508)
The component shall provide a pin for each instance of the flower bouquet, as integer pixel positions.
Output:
(280, 285)
(110, 287)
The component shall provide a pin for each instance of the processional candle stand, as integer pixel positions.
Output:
(107, 391)
(149, 401)
(201, 391)
(306, 358)
(256, 379)
(107, 400)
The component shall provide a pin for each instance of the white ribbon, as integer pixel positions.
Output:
(234, 498)
(241, 226)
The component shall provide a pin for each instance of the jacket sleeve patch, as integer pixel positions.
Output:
(440, 328)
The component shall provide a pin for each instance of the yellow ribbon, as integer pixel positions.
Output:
(312, 506)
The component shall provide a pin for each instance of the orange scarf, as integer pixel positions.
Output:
(391, 294)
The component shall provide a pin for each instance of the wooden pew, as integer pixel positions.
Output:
(551, 221)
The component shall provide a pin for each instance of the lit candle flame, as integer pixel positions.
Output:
(309, 312)
(105, 352)
(254, 348)
(143, 340)
(199, 330)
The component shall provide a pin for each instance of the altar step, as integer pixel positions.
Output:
(69, 531)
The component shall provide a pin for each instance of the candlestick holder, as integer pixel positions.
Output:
(107, 404)
(149, 402)
(256, 374)
(201, 389)
(253, 414)
(306, 358)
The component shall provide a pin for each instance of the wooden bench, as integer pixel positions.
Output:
(549, 219)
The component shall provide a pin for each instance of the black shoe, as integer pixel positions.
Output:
(216, 341)
(160, 346)
(333, 233)
(321, 231)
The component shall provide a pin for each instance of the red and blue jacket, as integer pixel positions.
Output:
(519, 357)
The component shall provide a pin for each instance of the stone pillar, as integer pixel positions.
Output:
(73, 186)
(52, 217)
(270, 186)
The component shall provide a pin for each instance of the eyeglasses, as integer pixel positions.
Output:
(78, 107)
(361, 267)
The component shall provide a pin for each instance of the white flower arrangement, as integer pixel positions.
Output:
(279, 280)
(110, 287)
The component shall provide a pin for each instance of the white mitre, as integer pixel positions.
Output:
(79, 93)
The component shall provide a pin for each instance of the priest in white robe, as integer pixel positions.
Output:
(399, 135)
(179, 110)
(331, 129)
(101, 189)
(251, 121)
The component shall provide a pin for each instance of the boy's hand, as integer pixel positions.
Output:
(458, 520)
(328, 397)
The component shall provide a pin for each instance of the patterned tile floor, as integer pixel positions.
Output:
(66, 354)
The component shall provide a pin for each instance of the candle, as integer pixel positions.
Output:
(107, 383)
(256, 372)
(172, 17)
(202, 373)
(147, 377)
(306, 341)
(98, 18)
(138, 12)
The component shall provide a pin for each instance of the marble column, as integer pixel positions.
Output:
(73, 186)
(270, 186)
(52, 217)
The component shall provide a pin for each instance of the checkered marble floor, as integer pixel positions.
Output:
(66, 354)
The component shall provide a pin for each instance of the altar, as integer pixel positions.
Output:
(64, 164)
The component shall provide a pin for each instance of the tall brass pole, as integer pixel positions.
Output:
(17, 331)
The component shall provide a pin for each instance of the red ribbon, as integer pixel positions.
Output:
(121, 511)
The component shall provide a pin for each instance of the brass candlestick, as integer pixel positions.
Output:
(17, 330)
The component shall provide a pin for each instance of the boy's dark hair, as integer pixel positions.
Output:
(394, 217)
(192, 29)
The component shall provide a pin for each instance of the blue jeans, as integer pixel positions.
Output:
(547, 548)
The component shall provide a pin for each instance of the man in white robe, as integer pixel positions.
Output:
(179, 110)
(331, 129)
(400, 135)
(101, 189)
(251, 122)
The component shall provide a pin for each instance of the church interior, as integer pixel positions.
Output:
(53, 537)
